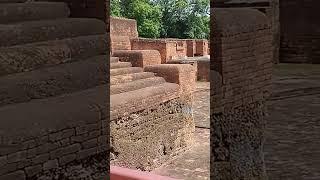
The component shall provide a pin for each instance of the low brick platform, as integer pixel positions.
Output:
(201, 64)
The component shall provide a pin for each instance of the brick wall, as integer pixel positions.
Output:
(123, 27)
(241, 69)
(270, 8)
(201, 47)
(120, 43)
(191, 47)
(144, 44)
(87, 8)
(52, 150)
(49, 139)
(300, 32)
(169, 48)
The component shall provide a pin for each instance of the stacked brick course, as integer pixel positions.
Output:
(52, 88)
(241, 69)
(270, 8)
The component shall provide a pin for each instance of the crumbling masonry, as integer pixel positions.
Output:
(241, 69)
(53, 85)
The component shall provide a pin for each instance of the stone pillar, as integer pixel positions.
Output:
(241, 71)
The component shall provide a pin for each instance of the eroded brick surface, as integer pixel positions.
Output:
(46, 60)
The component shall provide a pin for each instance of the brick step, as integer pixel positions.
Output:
(133, 101)
(135, 85)
(11, 11)
(52, 114)
(114, 59)
(130, 77)
(29, 57)
(53, 81)
(118, 65)
(122, 71)
(46, 30)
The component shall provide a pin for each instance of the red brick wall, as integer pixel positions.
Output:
(201, 47)
(191, 47)
(150, 44)
(168, 48)
(120, 43)
(181, 48)
(123, 27)
(139, 58)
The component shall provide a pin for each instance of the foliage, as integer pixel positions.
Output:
(166, 18)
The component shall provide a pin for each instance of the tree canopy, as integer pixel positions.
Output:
(166, 18)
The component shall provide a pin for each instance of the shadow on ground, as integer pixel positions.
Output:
(292, 148)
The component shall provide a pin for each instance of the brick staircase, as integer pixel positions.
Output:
(125, 78)
(149, 124)
(53, 81)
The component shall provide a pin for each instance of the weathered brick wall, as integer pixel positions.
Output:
(300, 33)
(123, 27)
(270, 8)
(169, 48)
(179, 49)
(143, 44)
(191, 47)
(241, 69)
(87, 8)
(120, 43)
(203, 72)
(47, 134)
(201, 47)
(139, 58)
(49, 139)
(53, 150)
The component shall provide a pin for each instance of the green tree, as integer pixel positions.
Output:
(147, 14)
(166, 18)
(115, 7)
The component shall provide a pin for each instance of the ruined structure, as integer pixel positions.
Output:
(241, 69)
(53, 69)
(172, 51)
(126, 38)
(151, 103)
